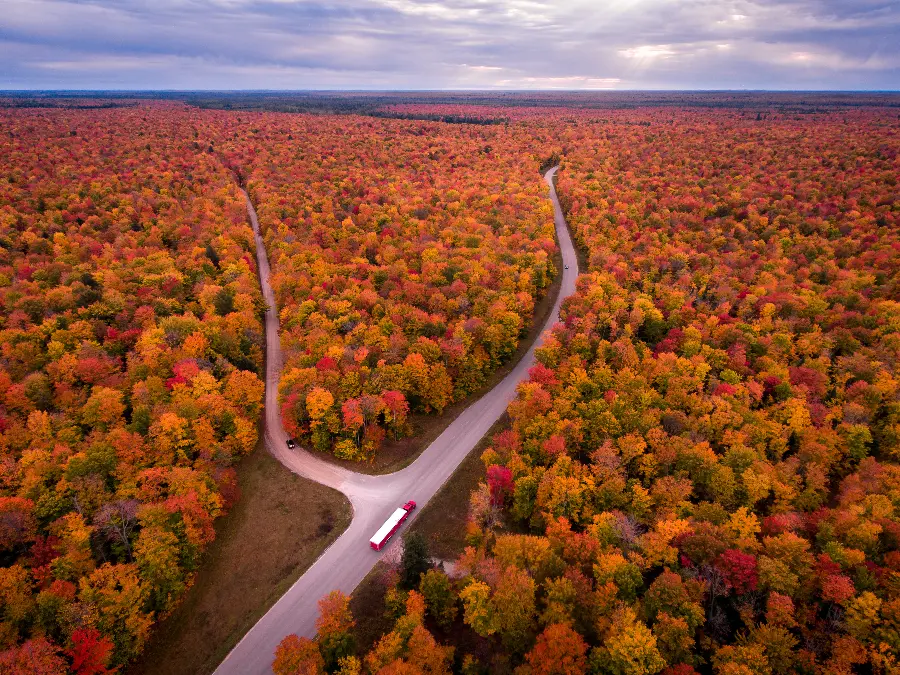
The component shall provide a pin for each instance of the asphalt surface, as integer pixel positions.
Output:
(349, 559)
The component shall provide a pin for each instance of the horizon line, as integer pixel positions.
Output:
(445, 91)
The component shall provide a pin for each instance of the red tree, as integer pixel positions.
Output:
(739, 570)
(90, 652)
(500, 483)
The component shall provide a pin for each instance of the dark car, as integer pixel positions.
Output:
(567, 267)
(291, 443)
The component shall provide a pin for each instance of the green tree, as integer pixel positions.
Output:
(415, 561)
(440, 598)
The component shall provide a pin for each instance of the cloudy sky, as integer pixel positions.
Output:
(449, 44)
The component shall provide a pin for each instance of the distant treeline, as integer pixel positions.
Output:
(374, 103)
(449, 119)
(64, 104)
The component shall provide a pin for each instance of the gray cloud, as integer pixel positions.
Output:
(377, 44)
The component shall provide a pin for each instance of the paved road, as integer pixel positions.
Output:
(347, 561)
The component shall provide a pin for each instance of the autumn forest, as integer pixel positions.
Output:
(700, 473)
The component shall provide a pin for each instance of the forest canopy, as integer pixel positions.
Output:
(699, 474)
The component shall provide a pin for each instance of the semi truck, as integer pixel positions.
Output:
(391, 525)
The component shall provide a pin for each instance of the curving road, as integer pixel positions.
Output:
(347, 561)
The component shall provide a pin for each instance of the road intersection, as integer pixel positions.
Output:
(349, 558)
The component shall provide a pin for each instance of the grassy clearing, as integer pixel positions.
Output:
(278, 528)
(367, 605)
(443, 520)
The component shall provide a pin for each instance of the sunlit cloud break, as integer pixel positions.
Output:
(570, 82)
(647, 52)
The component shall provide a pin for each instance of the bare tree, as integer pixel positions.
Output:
(117, 521)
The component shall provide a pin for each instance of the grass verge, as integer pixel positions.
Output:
(278, 528)
(443, 522)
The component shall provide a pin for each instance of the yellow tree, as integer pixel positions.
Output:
(478, 610)
(318, 403)
(171, 439)
(245, 390)
(117, 595)
(514, 604)
(629, 648)
(157, 556)
(75, 542)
